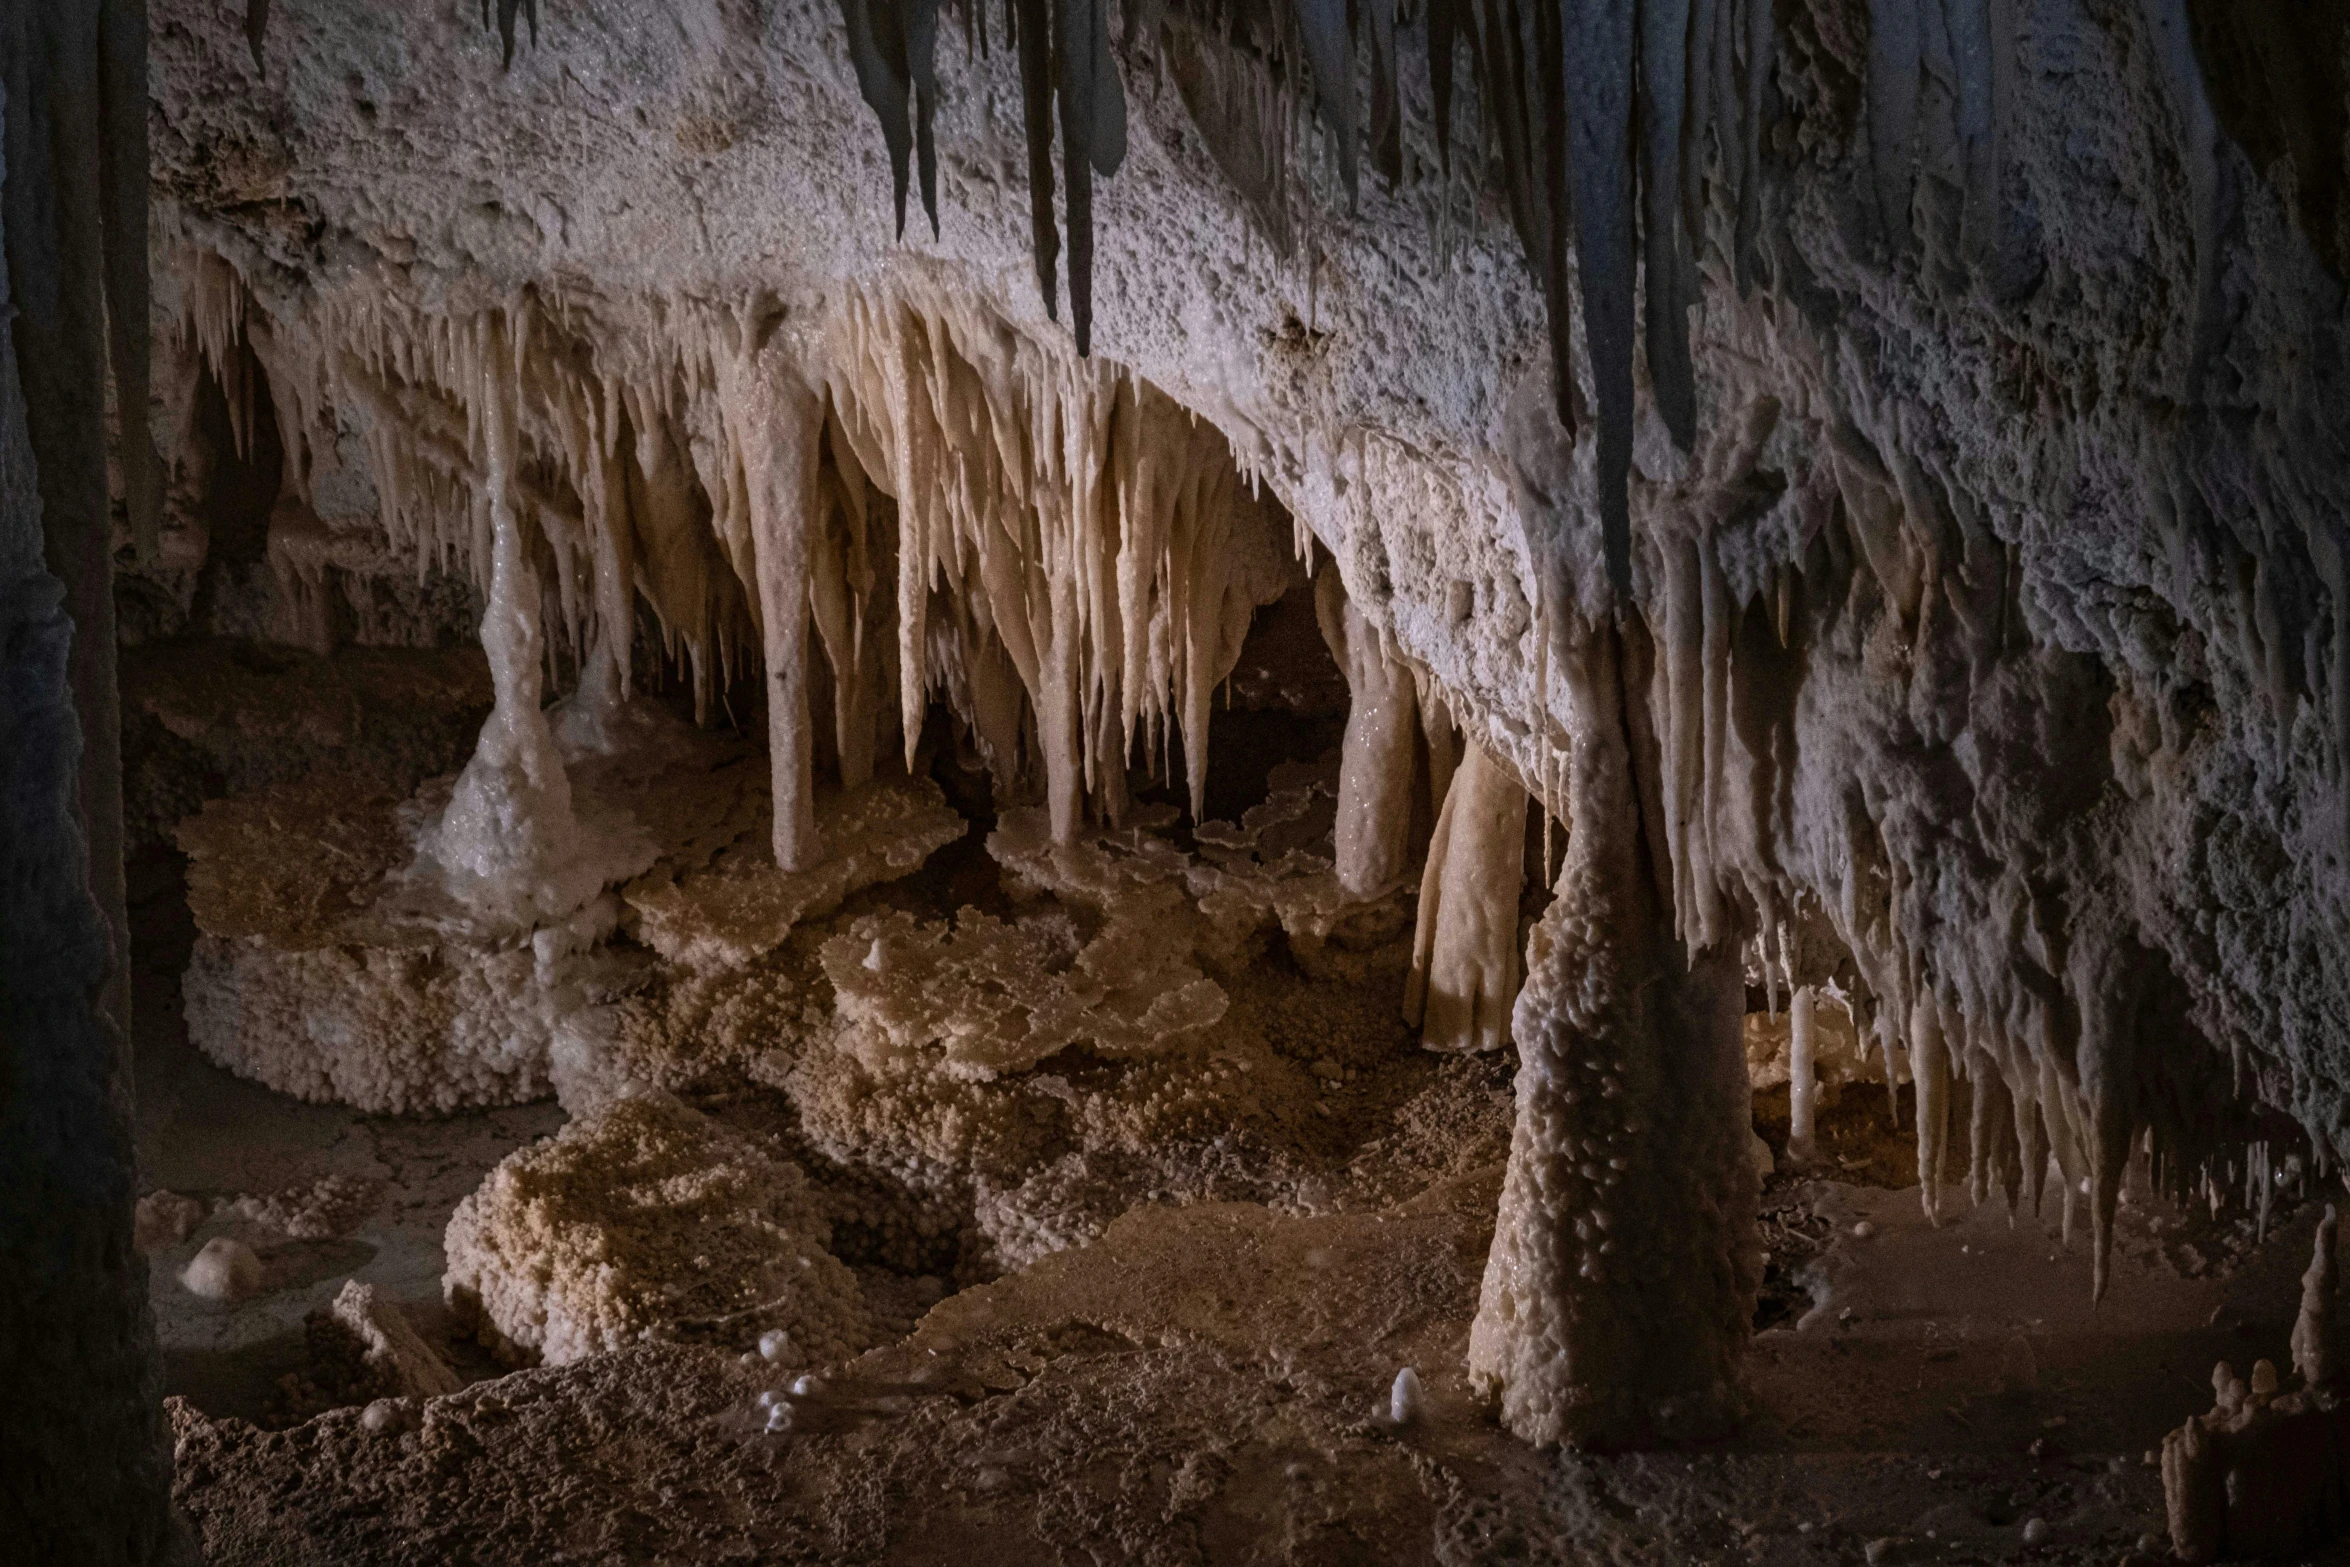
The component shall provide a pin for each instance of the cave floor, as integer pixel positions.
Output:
(1204, 1383)
(1207, 1384)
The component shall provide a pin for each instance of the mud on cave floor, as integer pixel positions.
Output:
(1208, 1380)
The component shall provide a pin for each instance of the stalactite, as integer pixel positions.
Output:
(1601, 53)
(1324, 30)
(2173, 43)
(1078, 519)
(1664, 44)
(1892, 110)
(1929, 1065)
(1464, 976)
(1375, 770)
(893, 45)
(777, 422)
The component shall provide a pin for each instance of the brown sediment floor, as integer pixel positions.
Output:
(1261, 1228)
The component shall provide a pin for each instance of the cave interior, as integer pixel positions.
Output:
(1208, 781)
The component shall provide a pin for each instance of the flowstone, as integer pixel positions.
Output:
(323, 968)
(646, 1220)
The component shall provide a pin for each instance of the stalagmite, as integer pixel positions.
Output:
(1464, 976)
(2265, 1474)
(507, 850)
(1375, 773)
(1802, 1085)
(1619, 1292)
(2320, 1327)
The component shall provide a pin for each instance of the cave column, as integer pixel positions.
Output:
(782, 428)
(84, 1466)
(1619, 1293)
(1376, 761)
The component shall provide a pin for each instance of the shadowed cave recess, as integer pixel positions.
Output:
(1200, 781)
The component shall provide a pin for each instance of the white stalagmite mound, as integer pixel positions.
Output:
(300, 981)
(224, 1269)
(320, 971)
(645, 1219)
(505, 851)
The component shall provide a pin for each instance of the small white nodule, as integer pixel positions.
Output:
(779, 1418)
(774, 1344)
(224, 1270)
(805, 1386)
(1403, 1401)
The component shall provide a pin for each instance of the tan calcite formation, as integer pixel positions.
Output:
(1241, 886)
(994, 996)
(742, 905)
(1373, 835)
(370, 1338)
(645, 1219)
(327, 968)
(1465, 946)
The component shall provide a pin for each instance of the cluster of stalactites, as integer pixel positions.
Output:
(1075, 558)
(1070, 565)
(2061, 1042)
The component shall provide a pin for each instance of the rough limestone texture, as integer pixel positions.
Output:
(741, 906)
(647, 1220)
(362, 1347)
(999, 996)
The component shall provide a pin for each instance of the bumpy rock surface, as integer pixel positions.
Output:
(646, 1220)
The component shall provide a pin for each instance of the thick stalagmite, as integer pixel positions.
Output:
(507, 850)
(1465, 948)
(1375, 768)
(1619, 1291)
